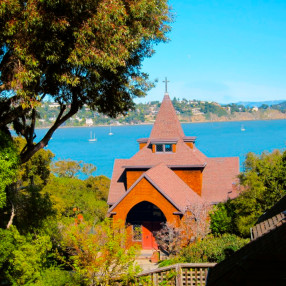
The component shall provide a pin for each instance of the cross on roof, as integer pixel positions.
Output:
(166, 84)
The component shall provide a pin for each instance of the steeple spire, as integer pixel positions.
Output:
(167, 124)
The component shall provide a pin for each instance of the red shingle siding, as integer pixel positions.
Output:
(145, 191)
(193, 178)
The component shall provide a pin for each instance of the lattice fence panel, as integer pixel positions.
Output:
(194, 276)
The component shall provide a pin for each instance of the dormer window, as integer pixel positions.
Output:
(168, 148)
(159, 148)
(164, 148)
(167, 145)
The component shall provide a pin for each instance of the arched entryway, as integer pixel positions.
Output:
(144, 219)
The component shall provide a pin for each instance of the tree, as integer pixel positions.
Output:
(75, 53)
(23, 193)
(193, 227)
(22, 258)
(222, 219)
(8, 165)
(71, 169)
(261, 184)
(100, 253)
(87, 196)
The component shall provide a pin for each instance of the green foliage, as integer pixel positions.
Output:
(37, 170)
(58, 277)
(71, 169)
(66, 168)
(24, 197)
(171, 261)
(212, 249)
(265, 175)
(8, 165)
(22, 258)
(86, 196)
(262, 185)
(222, 218)
(99, 186)
(100, 253)
(33, 208)
(211, 107)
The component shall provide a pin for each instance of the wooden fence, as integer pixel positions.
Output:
(182, 274)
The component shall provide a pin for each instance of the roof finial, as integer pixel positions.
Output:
(166, 84)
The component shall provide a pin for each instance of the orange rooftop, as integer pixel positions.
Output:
(164, 177)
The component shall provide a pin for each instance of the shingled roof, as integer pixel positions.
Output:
(167, 124)
(219, 179)
(173, 187)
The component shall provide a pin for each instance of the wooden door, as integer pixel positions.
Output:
(148, 239)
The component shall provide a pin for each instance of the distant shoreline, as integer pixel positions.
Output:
(182, 122)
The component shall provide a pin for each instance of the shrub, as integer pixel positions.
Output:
(212, 249)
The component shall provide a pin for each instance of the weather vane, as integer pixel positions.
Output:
(166, 84)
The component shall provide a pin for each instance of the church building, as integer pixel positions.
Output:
(164, 177)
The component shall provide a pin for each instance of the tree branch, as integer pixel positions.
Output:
(31, 150)
(12, 115)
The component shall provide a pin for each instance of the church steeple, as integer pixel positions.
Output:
(167, 124)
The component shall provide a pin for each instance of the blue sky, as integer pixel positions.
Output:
(223, 51)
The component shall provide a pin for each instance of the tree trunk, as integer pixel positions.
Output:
(13, 213)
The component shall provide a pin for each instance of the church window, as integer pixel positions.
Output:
(137, 232)
(164, 148)
(159, 148)
(168, 148)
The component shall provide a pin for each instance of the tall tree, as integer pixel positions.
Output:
(75, 52)
(262, 184)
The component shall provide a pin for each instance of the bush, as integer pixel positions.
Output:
(222, 219)
(212, 249)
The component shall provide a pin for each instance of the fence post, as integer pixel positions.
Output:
(179, 275)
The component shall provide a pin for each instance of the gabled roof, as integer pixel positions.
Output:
(173, 186)
(268, 225)
(219, 178)
(167, 124)
(279, 207)
(117, 185)
(270, 220)
(165, 181)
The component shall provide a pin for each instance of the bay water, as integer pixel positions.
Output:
(214, 139)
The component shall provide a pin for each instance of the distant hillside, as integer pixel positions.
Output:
(259, 103)
(187, 111)
(281, 106)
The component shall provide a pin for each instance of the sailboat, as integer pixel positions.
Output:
(242, 128)
(92, 139)
(110, 133)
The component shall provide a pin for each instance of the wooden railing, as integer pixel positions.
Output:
(182, 274)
